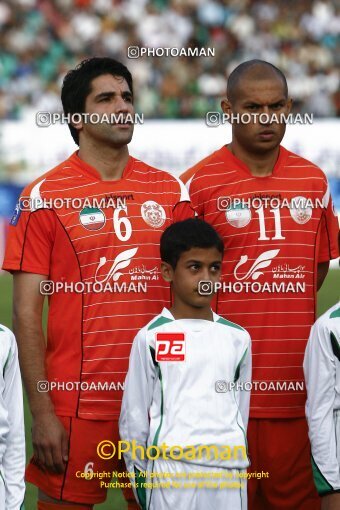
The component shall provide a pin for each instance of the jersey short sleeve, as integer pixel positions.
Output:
(30, 242)
(194, 191)
(329, 230)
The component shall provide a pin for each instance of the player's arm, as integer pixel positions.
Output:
(331, 501)
(134, 416)
(50, 441)
(245, 376)
(137, 398)
(329, 236)
(322, 273)
(13, 460)
(320, 375)
(28, 253)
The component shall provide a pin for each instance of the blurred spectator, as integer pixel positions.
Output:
(40, 40)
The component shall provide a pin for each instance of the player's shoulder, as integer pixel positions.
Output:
(7, 344)
(150, 173)
(334, 312)
(203, 167)
(157, 178)
(227, 323)
(6, 334)
(231, 326)
(156, 322)
(308, 168)
(159, 321)
(327, 327)
(330, 318)
(50, 179)
(326, 332)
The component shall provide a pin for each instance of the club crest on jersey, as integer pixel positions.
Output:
(92, 218)
(170, 346)
(153, 214)
(299, 210)
(238, 215)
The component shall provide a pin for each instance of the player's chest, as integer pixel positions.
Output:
(265, 214)
(183, 354)
(116, 218)
(114, 231)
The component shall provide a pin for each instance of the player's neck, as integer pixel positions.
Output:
(184, 311)
(260, 165)
(108, 161)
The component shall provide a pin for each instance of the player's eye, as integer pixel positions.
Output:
(215, 268)
(277, 106)
(127, 98)
(104, 99)
(253, 107)
(194, 267)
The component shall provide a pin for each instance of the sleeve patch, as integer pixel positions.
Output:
(16, 215)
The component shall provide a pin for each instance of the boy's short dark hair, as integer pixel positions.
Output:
(77, 84)
(187, 234)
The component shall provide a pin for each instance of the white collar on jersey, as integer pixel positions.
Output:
(166, 313)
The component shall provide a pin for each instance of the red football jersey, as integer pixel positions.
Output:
(275, 229)
(102, 237)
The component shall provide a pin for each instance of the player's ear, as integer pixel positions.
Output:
(226, 106)
(289, 104)
(167, 272)
(76, 121)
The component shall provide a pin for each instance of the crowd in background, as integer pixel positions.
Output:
(41, 39)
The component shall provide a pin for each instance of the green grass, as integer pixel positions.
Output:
(328, 296)
(115, 500)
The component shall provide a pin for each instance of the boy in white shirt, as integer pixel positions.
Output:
(185, 391)
(322, 374)
(12, 433)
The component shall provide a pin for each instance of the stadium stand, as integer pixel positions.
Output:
(40, 40)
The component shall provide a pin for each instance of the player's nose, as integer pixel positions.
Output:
(206, 273)
(122, 106)
(264, 117)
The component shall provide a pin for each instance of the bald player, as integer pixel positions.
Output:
(274, 211)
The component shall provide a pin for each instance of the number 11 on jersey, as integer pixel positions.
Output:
(277, 219)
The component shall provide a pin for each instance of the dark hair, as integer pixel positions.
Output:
(187, 234)
(242, 69)
(77, 84)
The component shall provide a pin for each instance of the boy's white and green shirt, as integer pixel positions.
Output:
(322, 374)
(186, 403)
(12, 433)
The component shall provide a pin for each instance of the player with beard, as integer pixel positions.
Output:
(109, 244)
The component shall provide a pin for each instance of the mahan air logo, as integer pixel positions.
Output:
(121, 261)
(92, 218)
(264, 260)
